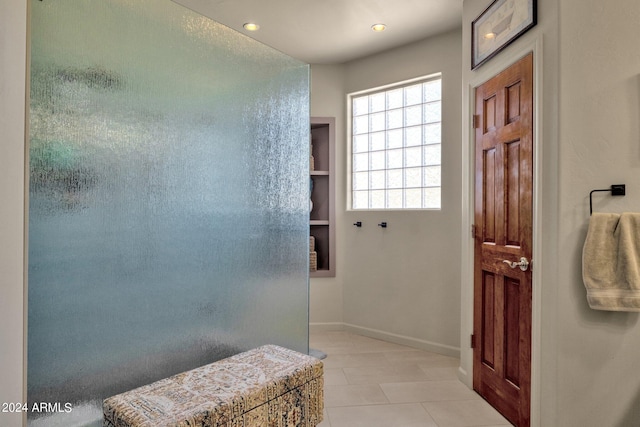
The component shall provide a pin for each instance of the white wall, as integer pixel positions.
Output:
(543, 41)
(13, 30)
(399, 283)
(598, 380)
(589, 99)
(328, 100)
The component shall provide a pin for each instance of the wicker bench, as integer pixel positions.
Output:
(267, 386)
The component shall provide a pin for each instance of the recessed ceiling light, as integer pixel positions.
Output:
(250, 26)
(378, 27)
(490, 36)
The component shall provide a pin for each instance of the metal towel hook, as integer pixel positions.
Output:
(616, 190)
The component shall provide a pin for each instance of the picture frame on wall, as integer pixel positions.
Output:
(498, 26)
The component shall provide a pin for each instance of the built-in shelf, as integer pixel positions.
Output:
(322, 216)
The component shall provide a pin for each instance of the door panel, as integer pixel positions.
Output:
(512, 214)
(488, 335)
(503, 212)
(513, 102)
(489, 185)
(512, 337)
(490, 114)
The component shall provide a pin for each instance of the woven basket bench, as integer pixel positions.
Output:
(269, 386)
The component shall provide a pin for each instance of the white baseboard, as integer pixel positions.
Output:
(388, 336)
(464, 377)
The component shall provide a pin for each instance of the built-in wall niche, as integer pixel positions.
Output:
(322, 216)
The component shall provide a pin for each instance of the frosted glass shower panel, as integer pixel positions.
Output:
(168, 200)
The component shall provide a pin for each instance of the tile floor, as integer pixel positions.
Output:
(373, 383)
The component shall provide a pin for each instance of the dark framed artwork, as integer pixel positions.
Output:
(499, 25)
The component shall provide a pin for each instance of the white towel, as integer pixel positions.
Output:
(611, 262)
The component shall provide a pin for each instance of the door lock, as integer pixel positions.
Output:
(523, 264)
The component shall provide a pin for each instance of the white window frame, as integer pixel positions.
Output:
(390, 192)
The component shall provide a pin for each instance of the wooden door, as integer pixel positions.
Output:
(503, 233)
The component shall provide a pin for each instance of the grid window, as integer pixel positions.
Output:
(396, 146)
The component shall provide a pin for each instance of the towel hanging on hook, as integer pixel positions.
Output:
(616, 190)
(610, 264)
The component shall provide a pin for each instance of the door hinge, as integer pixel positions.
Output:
(475, 122)
(473, 231)
(473, 341)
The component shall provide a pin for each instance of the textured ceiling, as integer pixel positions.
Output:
(333, 31)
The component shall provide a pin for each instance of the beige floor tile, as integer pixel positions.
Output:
(385, 374)
(371, 344)
(373, 383)
(335, 350)
(434, 374)
(465, 414)
(355, 360)
(353, 395)
(423, 358)
(441, 362)
(334, 376)
(330, 339)
(402, 415)
(427, 391)
(325, 422)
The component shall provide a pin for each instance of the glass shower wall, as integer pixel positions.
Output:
(168, 205)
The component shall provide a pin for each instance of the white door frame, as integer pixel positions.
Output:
(487, 71)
